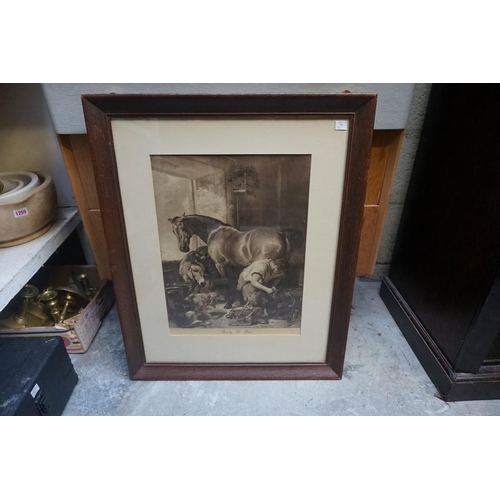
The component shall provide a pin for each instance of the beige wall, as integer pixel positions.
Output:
(27, 137)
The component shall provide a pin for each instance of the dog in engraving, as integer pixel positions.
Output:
(205, 305)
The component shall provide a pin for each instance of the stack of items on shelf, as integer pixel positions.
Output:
(28, 204)
(65, 301)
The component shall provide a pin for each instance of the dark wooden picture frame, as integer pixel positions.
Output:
(359, 109)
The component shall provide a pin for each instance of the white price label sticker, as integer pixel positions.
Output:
(341, 124)
(22, 212)
(35, 390)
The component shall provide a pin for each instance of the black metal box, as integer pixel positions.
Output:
(36, 376)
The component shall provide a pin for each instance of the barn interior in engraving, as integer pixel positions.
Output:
(246, 192)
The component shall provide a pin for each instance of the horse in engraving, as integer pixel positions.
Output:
(230, 248)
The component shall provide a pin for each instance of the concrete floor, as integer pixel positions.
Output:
(382, 376)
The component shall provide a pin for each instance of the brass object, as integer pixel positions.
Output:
(27, 293)
(84, 281)
(53, 305)
(74, 282)
(50, 298)
(40, 310)
(72, 291)
(30, 312)
(74, 302)
(68, 301)
(48, 295)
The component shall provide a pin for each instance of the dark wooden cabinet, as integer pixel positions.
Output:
(443, 287)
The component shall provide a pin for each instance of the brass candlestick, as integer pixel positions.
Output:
(50, 298)
(67, 303)
(27, 293)
(84, 281)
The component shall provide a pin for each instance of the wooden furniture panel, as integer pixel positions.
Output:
(386, 145)
(368, 236)
(81, 151)
(381, 145)
(100, 240)
(76, 154)
(444, 282)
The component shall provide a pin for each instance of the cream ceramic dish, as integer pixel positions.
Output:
(31, 215)
(23, 183)
(8, 186)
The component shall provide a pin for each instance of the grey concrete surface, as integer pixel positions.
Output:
(382, 377)
(402, 178)
(64, 99)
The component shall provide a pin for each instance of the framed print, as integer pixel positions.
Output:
(232, 225)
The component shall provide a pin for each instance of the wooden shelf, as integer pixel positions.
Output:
(18, 264)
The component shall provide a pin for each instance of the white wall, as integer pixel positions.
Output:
(27, 137)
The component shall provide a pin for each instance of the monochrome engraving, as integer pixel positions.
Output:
(233, 232)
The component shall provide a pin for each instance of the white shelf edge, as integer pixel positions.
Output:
(18, 264)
